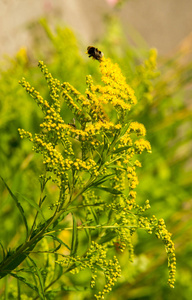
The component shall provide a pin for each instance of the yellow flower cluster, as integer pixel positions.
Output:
(116, 90)
(162, 233)
(137, 128)
(165, 236)
(115, 93)
(97, 151)
(141, 145)
(132, 177)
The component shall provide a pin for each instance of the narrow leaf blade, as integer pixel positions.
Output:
(74, 241)
(109, 190)
(18, 206)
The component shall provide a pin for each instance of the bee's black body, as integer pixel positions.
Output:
(95, 53)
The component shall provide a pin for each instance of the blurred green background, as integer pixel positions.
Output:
(164, 107)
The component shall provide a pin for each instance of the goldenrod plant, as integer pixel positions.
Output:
(92, 162)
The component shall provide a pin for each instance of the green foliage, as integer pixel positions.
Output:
(164, 178)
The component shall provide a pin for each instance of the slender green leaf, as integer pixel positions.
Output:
(34, 204)
(74, 241)
(18, 206)
(103, 179)
(33, 287)
(31, 271)
(116, 167)
(38, 273)
(57, 223)
(121, 149)
(88, 234)
(58, 266)
(57, 248)
(58, 240)
(109, 190)
(18, 290)
(94, 215)
(74, 288)
(125, 128)
(3, 250)
(107, 237)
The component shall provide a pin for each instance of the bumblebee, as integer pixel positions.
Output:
(94, 53)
